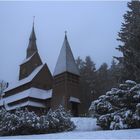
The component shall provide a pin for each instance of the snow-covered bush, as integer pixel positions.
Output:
(8, 123)
(119, 108)
(23, 122)
(30, 123)
(59, 120)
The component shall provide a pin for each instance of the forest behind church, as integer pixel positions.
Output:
(95, 82)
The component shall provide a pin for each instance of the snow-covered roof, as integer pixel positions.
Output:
(27, 59)
(27, 103)
(28, 79)
(32, 92)
(74, 99)
(66, 62)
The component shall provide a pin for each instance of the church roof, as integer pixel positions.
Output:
(28, 59)
(66, 62)
(32, 47)
(28, 79)
(24, 104)
(33, 36)
(74, 99)
(31, 92)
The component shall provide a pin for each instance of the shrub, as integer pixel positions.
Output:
(23, 122)
(119, 108)
(59, 120)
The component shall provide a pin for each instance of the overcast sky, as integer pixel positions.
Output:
(92, 30)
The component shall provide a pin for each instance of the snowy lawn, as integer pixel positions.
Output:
(86, 129)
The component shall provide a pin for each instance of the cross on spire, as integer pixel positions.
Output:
(65, 32)
(33, 20)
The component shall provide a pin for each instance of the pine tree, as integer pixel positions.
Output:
(129, 36)
(102, 82)
(114, 73)
(87, 80)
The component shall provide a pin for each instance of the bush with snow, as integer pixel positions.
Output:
(59, 120)
(23, 122)
(119, 108)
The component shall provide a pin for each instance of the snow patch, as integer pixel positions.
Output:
(28, 79)
(74, 99)
(27, 103)
(32, 92)
(85, 124)
(29, 58)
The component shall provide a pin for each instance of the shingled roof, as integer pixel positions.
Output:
(66, 62)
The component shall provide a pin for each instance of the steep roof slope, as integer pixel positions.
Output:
(66, 62)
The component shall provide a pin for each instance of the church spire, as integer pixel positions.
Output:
(32, 47)
(66, 61)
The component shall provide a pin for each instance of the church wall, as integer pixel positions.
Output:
(17, 90)
(59, 91)
(27, 67)
(65, 85)
(43, 79)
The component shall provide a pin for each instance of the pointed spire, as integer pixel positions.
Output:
(32, 47)
(65, 35)
(32, 36)
(66, 61)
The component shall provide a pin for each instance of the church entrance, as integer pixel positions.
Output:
(74, 109)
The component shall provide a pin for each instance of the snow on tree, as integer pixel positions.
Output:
(23, 122)
(59, 120)
(119, 108)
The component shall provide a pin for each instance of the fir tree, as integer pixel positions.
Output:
(102, 82)
(87, 80)
(129, 35)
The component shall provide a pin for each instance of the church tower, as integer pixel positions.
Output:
(66, 81)
(32, 60)
(33, 88)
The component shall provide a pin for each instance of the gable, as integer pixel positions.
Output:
(43, 79)
(29, 65)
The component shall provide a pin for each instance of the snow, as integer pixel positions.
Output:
(85, 124)
(28, 79)
(32, 92)
(74, 99)
(130, 82)
(84, 132)
(27, 103)
(29, 58)
(66, 60)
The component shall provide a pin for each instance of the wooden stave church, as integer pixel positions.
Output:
(37, 90)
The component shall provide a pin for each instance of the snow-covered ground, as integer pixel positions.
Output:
(86, 129)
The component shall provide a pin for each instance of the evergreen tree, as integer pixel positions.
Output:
(119, 108)
(114, 73)
(87, 80)
(129, 35)
(102, 82)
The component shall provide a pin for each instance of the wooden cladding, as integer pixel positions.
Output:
(70, 78)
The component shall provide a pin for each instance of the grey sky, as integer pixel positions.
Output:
(92, 30)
